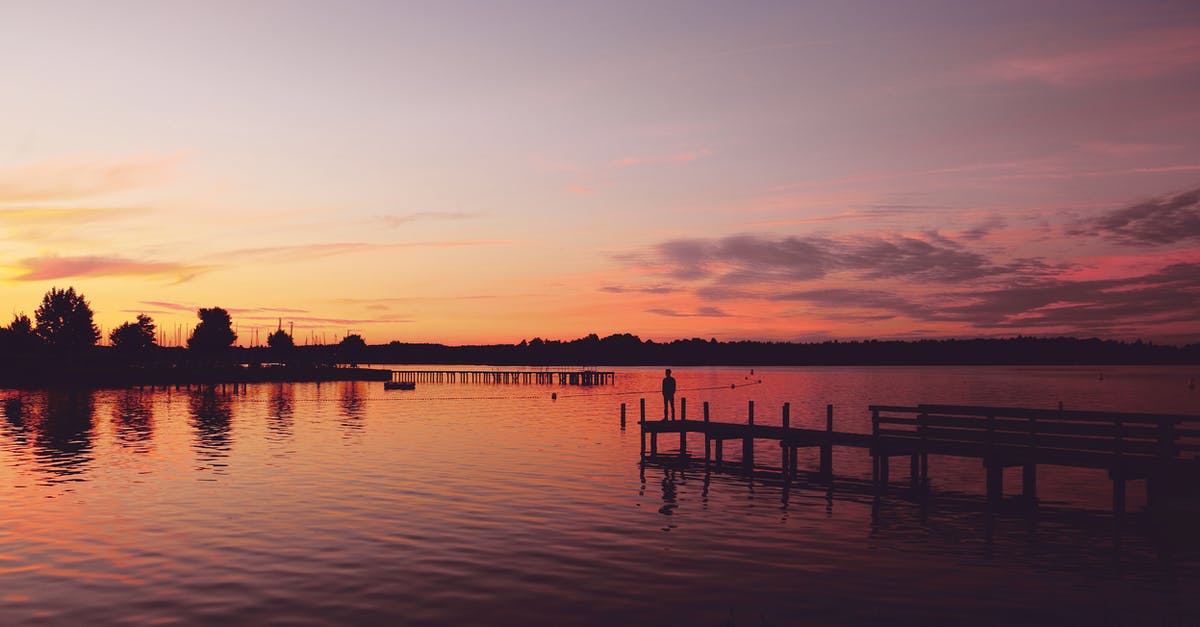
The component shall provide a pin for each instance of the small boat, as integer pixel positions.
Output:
(399, 385)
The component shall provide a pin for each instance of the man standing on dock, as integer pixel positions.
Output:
(668, 389)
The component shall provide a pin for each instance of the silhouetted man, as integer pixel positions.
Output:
(668, 395)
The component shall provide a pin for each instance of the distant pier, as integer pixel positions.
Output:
(499, 377)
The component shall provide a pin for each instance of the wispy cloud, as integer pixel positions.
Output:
(702, 312)
(755, 259)
(656, 288)
(394, 220)
(34, 224)
(1126, 148)
(1140, 55)
(297, 252)
(678, 157)
(55, 267)
(1157, 221)
(71, 179)
(318, 320)
(273, 314)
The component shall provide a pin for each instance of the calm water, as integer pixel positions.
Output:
(474, 504)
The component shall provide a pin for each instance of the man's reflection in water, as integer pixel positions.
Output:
(63, 435)
(134, 420)
(212, 415)
(668, 493)
(282, 409)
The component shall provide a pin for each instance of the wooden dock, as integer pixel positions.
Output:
(1162, 449)
(500, 377)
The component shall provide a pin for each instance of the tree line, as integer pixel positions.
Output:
(624, 349)
(63, 330)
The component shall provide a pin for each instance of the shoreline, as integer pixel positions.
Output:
(135, 376)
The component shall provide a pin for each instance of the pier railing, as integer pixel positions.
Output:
(542, 377)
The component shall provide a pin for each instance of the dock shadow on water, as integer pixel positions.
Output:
(1145, 575)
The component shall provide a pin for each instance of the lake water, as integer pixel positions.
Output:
(459, 504)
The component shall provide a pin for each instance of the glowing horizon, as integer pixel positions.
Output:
(478, 174)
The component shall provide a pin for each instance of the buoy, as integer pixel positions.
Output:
(732, 385)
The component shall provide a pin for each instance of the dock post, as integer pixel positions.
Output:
(622, 415)
(1029, 483)
(642, 426)
(875, 450)
(682, 429)
(653, 434)
(748, 441)
(1118, 479)
(827, 447)
(995, 479)
(707, 440)
(785, 465)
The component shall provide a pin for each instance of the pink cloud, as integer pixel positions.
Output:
(1143, 55)
(1125, 149)
(55, 267)
(680, 157)
(74, 178)
(1126, 266)
(1076, 174)
(327, 249)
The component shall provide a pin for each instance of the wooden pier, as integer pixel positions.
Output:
(543, 377)
(1161, 449)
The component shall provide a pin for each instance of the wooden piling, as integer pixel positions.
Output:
(1118, 479)
(875, 452)
(995, 479)
(826, 467)
(682, 432)
(707, 439)
(786, 464)
(748, 442)
(622, 415)
(642, 424)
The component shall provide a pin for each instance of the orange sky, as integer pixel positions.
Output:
(466, 174)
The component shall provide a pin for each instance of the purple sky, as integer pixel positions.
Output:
(466, 172)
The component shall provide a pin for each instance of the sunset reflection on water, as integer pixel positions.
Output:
(345, 503)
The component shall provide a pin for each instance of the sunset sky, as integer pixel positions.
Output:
(466, 172)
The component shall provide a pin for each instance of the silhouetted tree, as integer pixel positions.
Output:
(19, 337)
(134, 337)
(280, 340)
(351, 349)
(64, 321)
(282, 346)
(214, 334)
